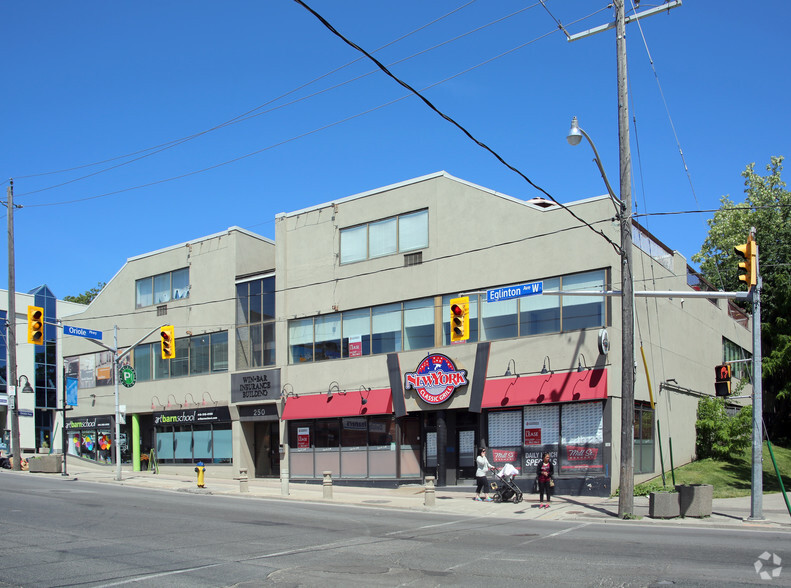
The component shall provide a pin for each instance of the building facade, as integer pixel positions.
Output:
(330, 349)
(374, 388)
(40, 422)
(178, 410)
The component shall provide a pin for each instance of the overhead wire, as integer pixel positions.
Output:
(302, 135)
(250, 113)
(467, 133)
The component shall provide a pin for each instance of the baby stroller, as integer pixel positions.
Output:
(507, 489)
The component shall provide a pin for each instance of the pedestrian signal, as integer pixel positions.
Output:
(722, 380)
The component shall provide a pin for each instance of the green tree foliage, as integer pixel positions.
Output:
(720, 436)
(87, 296)
(767, 207)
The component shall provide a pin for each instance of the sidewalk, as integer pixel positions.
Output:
(730, 512)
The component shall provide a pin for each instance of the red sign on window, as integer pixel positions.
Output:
(356, 346)
(303, 438)
(532, 436)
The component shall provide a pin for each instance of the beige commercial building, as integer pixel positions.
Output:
(330, 349)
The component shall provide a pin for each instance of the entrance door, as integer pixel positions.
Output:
(465, 449)
(267, 450)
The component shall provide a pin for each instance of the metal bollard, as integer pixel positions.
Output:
(327, 484)
(429, 497)
(243, 486)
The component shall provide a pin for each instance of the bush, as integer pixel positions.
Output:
(720, 436)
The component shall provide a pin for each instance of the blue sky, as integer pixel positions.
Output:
(87, 82)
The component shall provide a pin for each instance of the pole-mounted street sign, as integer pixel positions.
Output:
(80, 332)
(517, 291)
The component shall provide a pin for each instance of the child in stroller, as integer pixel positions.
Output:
(507, 489)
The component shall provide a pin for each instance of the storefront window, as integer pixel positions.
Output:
(381, 447)
(327, 433)
(643, 438)
(202, 443)
(582, 438)
(182, 445)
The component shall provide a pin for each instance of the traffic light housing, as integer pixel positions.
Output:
(722, 380)
(168, 341)
(460, 319)
(35, 325)
(749, 251)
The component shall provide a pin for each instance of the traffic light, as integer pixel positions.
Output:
(168, 342)
(459, 319)
(722, 380)
(35, 325)
(749, 251)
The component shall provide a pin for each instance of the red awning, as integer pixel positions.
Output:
(544, 388)
(340, 404)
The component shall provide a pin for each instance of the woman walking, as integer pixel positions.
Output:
(480, 476)
(544, 473)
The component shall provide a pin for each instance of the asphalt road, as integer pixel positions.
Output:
(76, 533)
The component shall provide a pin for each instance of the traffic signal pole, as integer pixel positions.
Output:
(757, 482)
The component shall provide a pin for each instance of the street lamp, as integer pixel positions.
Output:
(623, 206)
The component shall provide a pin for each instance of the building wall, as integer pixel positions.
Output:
(479, 239)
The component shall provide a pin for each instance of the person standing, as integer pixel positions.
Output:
(480, 476)
(544, 473)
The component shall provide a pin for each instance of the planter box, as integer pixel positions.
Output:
(695, 499)
(46, 464)
(663, 505)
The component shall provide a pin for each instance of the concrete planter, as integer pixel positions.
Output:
(46, 464)
(695, 499)
(663, 505)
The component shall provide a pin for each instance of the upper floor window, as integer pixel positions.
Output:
(255, 323)
(405, 232)
(733, 352)
(162, 288)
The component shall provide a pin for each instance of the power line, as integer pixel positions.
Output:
(469, 135)
(250, 113)
(307, 133)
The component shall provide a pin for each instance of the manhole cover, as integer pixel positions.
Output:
(376, 501)
(576, 512)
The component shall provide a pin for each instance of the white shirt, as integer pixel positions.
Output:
(483, 466)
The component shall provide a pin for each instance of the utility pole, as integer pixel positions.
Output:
(16, 448)
(626, 494)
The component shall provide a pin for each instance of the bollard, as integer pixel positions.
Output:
(243, 486)
(429, 498)
(327, 484)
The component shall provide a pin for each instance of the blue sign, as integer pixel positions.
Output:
(80, 332)
(25, 412)
(510, 292)
(71, 391)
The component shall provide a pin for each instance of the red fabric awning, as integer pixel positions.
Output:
(340, 404)
(544, 388)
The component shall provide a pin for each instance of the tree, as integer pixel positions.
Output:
(87, 296)
(767, 207)
(719, 435)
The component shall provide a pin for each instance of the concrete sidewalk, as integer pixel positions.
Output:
(731, 512)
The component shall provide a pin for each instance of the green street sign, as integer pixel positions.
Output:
(128, 376)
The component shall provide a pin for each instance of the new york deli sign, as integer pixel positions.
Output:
(435, 379)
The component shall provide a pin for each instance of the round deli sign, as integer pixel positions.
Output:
(435, 379)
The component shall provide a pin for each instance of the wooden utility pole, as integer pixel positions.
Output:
(626, 493)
